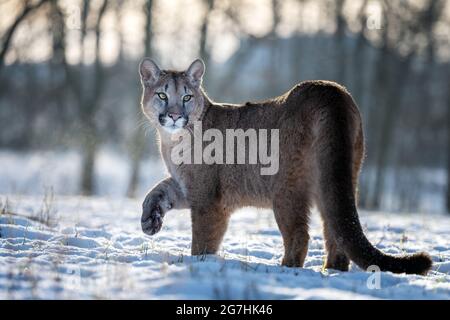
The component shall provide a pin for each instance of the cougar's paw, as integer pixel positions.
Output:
(153, 211)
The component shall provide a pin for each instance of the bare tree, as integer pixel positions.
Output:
(448, 140)
(203, 50)
(276, 17)
(89, 110)
(272, 84)
(28, 8)
(118, 15)
(426, 24)
(58, 80)
(359, 56)
(75, 74)
(341, 27)
(137, 146)
(87, 89)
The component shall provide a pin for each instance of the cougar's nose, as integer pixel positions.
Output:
(174, 116)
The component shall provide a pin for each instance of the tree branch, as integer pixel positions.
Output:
(27, 10)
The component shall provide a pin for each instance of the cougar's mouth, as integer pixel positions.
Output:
(170, 125)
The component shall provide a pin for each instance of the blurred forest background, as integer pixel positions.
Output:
(69, 79)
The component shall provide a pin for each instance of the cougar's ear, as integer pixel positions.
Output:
(195, 72)
(149, 71)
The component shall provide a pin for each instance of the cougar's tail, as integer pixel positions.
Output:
(336, 192)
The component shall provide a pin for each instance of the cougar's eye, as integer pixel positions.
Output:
(162, 95)
(187, 97)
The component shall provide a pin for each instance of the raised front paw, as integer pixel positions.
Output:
(154, 208)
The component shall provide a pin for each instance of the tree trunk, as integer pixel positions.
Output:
(448, 145)
(136, 159)
(376, 108)
(359, 55)
(89, 110)
(341, 56)
(393, 103)
(88, 168)
(203, 50)
(138, 139)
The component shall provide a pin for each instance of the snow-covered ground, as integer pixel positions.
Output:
(72, 247)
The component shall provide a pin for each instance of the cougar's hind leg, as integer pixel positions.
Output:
(292, 210)
(336, 257)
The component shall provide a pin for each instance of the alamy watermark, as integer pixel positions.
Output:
(374, 17)
(236, 146)
(374, 280)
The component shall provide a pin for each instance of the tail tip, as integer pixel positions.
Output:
(421, 263)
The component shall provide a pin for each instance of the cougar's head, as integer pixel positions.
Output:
(172, 99)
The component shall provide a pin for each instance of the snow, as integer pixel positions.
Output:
(34, 172)
(93, 248)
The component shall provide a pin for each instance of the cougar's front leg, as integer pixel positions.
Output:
(208, 228)
(163, 197)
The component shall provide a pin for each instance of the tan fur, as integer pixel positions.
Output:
(321, 152)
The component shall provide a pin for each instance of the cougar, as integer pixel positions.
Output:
(321, 150)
